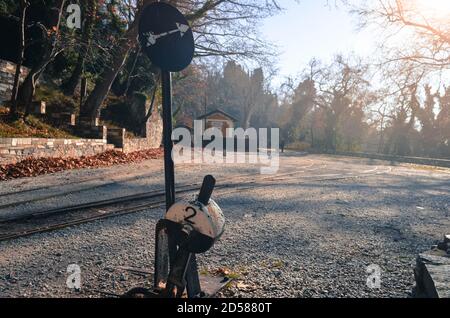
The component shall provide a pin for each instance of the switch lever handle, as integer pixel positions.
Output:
(207, 189)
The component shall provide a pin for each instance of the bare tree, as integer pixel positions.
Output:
(53, 43)
(402, 106)
(342, 90)
(224, 28)
(254, 95)
(299, 100)
(24, 4)
(90, 10)
(121, 50)
(428, 31)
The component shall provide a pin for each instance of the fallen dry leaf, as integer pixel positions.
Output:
(245, 287)
(32, 167)
(223, 271)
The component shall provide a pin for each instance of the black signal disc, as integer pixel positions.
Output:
(166, 37)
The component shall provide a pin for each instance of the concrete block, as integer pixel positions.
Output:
(72, 120)
(24, 141)
(38, 107)
(432, 274)
(6, 141)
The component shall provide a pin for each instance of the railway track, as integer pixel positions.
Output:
(120, 200)
(106, 178)
(67, 192)
(51, 220)
(88, 188)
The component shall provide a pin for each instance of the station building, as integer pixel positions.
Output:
(219, 119)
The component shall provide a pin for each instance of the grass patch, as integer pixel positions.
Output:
(36, 126)
(233, 275)
(55, 99)
(31, 127)
(225, 272)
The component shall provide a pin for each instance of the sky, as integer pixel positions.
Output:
(311, 29)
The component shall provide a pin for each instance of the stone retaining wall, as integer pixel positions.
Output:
(87, 128)
(152, 139)
(16, 149)
(97, 139)
(116, 136)
(137, 144)
(7, 72)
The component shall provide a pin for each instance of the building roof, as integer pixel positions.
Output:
(184, 126)
(218, 111)
(185, 120)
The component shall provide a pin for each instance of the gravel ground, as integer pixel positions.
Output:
(291, 238)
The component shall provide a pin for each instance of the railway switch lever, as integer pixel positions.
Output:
(202, 219)
(194, 227)
(197, 225)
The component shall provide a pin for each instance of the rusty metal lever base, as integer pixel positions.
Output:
(211, 286)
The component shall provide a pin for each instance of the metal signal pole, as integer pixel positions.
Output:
(169, 168)
(192, 278)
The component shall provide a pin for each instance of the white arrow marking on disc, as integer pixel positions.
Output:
(151, 37)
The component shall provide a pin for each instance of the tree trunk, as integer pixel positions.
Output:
(27, 89)
(92, 106)
(381, 141)
(247, 117)
(20, 58)
(86, 41)
(72, 83)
